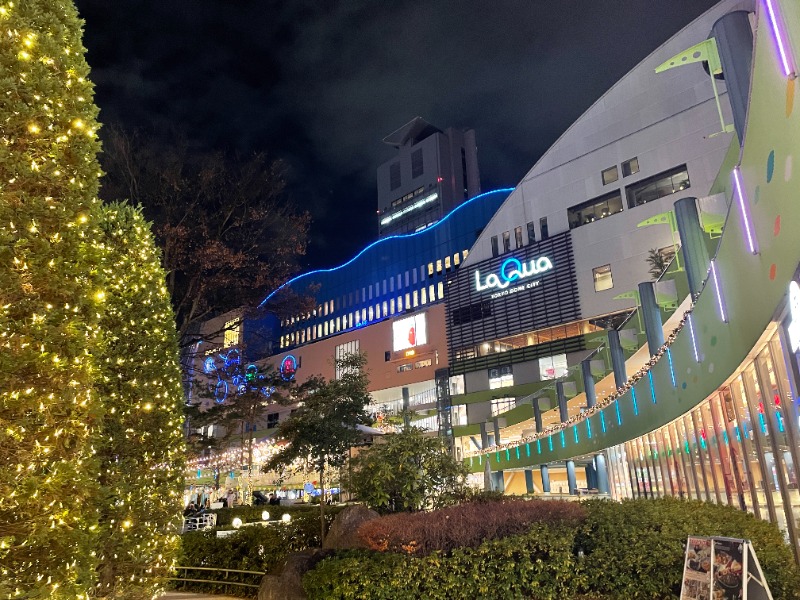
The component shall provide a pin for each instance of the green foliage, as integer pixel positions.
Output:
(406, 471)
(49, 413)
(657, 262)
(538, 564)
(632, 550)
(253, 513)
(640, 544)
(141, 443)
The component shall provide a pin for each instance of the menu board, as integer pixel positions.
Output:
(697, 570)
(715, 568)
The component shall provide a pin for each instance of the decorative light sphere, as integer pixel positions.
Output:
(286, 517)
(237, 522)
(265, 515)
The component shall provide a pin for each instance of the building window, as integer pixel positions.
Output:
(232, 330)
(416, 163)
(473, 312)
(402, 368)
(658, 186)
(518, 237)
(420, 364)
(447, 263)
(394, 176)
(500, 377)
(602, 278)
(458, 414)
(272, 420)
(343, 350)
(594, 209)
(506, 241)
(456, 385)
(543, 228)
(495, 248)
(456, 259)
(423, 296)
(531, 232)
(629, 167)
(610, 175)
(501, 405)
(552, 367)
(440, 290)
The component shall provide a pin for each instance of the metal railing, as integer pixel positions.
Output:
(218, 582)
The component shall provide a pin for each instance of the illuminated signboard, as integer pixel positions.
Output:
(794, 308)
(513, 270)
(288, 367)
(409, 332)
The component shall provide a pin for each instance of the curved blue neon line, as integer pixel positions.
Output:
(392, 237)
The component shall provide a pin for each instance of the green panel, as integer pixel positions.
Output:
(753, 286)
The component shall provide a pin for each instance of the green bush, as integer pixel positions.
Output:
(253, 513)
(632, 549)
(253, 548)
(539, 564)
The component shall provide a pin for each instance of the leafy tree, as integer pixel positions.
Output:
(49, 280)
(325, 425)
(227, 232)
(407, 471)
(141, 443)
(658, 263)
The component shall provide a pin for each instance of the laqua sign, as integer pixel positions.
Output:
(513, 270)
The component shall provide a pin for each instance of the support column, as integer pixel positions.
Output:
(735, 45)
(602, 473)
(496, 424)
(693, 243)
(591, 476)
(564, 415)
(588, 383)
(617, 358)
(537, 417)
(498, 481)
(529, 481)
(651, 315)
(484, 436)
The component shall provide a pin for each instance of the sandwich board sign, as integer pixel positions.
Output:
(719, 568)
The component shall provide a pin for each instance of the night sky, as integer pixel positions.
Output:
(319, 83)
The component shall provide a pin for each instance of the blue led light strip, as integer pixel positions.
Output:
(589, 427)
(392, 237)
(619, 415)
(635, 404)
(694, 338)
(652, 387)
(671, 369)
(603, 420)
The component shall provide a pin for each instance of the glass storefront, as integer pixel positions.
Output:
(738, 447)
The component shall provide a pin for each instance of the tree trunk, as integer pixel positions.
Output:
(322, 503)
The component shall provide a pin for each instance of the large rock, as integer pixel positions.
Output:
(289, 584)
(343, 533)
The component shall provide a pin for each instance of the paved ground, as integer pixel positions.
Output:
(191, 596)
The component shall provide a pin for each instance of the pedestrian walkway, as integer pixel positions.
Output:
(192, 596)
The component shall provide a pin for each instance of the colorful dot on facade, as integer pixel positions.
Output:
(773, 271)
(683, 385)
(770, 165)
(789, 97)
(777, 227)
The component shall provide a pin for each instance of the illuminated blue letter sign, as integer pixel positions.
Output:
(512, 270)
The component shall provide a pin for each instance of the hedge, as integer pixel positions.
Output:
(253, 513)
(632, 550)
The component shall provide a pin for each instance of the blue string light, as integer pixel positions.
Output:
(671, 369)
(563, 439)
(589, 427)
(635, 404)
(619, 415)
(603, 420)
(575, 431)
(652, 387)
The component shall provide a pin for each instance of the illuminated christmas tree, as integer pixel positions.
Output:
(141, 446)
(50, 297)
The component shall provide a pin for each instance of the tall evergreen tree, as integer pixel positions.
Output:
(141, 443)
(49, 301)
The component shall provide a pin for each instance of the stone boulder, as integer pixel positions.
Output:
(343, 533)
(289, 584)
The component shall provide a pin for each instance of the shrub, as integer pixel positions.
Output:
(253, 513)
(538, 564)
(634, 549)
(465, 525)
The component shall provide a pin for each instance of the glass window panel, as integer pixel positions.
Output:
(629, 167)
(610, 175)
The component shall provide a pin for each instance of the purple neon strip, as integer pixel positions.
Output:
(783, 48)
(717, 289)
(737, 179)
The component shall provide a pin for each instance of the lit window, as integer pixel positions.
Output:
(338, 323)
(325, 328)
(408, 301)
(430, 269)
(420, 364)
(440, 290)
(416, 298)
(391, 306)
(518, 236)
(371, 314)
(432, 293)
(658, 186)
(595, 209)
(456, 259)
(458, 414)
(500, 377)
(385, 310)
(552, 367)
(464, 254)
(501, 405)
(402, 368)
(232, 330)
(456, 385)
(610, 175)
(439, 266)
(399, 304)
(447, 262)
(602, 278)
(423, 296)
(629, 167)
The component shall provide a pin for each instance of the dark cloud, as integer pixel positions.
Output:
(319, 83)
